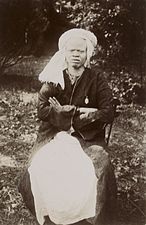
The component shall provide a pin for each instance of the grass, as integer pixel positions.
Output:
(19, 125)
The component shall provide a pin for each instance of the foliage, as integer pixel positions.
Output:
(127, 87)
(120, 30)
(12, 24)
(30, 27)
(44, 25)
(24, 27)
(119, 25)
(27, 27)
(18, 132)
(128, 156)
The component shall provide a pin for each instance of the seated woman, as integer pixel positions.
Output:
(69, 178)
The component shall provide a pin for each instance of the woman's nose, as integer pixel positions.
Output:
(75, 53)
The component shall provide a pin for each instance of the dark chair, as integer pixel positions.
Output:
(115, 103)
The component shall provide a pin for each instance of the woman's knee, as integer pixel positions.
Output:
(99, 156)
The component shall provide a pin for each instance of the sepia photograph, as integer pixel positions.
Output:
(72, 112)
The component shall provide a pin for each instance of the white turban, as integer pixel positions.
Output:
(53, 72)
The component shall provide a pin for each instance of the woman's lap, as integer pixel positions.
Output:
(106, 187)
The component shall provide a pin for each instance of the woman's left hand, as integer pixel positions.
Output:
(87, 114)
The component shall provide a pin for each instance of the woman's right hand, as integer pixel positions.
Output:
(54, 102)
(58, 107)
(61, 114)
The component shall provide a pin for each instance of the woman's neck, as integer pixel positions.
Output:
(76, 72)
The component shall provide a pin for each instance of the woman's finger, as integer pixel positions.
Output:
(52, 102)
(56, 101)
(83, 116)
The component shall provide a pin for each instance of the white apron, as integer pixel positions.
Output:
(63, 181)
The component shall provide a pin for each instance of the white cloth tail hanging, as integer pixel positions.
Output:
(53, 72)
(63, 181)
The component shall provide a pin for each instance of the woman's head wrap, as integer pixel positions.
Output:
(53, 72)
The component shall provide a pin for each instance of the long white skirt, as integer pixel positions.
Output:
(63, 181)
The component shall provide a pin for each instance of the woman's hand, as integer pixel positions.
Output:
(58, 107)
(84, 116)
(87, 114)
(54, 102)
(61, 115)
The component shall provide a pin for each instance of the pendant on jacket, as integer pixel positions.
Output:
(86, 100)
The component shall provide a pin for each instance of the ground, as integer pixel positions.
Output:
(19, 125)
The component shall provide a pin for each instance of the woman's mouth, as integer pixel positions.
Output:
(75, 60)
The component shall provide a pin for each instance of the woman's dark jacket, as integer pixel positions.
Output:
(90, 90)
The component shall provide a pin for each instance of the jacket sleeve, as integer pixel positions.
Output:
(60, 117)
(104, 110)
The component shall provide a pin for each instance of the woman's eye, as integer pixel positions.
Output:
(73, 50)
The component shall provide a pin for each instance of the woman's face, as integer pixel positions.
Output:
(76, 52)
